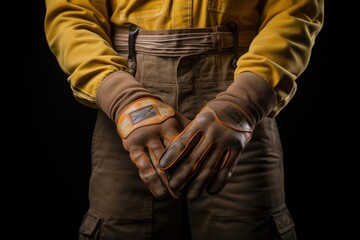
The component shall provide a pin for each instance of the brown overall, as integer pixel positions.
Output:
(187, 68)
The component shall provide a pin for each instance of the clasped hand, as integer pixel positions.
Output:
(205, 153)
(183, 162)
(146, 127)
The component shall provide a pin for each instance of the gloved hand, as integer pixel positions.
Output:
(146, 127)
(145, 124)
(205, 154)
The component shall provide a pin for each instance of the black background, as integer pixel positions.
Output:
(50, 147)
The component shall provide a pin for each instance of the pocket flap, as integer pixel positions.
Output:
(283, 221)
(89, 225)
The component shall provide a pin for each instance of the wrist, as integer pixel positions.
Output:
(252, 94)
(117, 91)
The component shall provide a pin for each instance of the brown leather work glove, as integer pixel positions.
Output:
(205, 154)
(145, 124)
(146, 127)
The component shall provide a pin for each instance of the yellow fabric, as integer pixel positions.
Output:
(78, 32)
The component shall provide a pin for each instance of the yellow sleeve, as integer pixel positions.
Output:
(282, 49)
(78, 34)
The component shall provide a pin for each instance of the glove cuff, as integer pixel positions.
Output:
(252, 94)
(117, 91)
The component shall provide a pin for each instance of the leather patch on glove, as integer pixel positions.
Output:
(143, 112)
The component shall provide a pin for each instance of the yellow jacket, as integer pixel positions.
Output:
(79, 35)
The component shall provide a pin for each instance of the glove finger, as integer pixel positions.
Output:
(148, 173)
(180, 148)
(155, 149)
(199, 182)
(186, 141)
(221, 176)
(168, 137)
(188, 169)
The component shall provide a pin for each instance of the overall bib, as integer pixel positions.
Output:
(186, 68)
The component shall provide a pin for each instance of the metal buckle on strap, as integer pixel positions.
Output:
(133, 32)
(234, 30)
